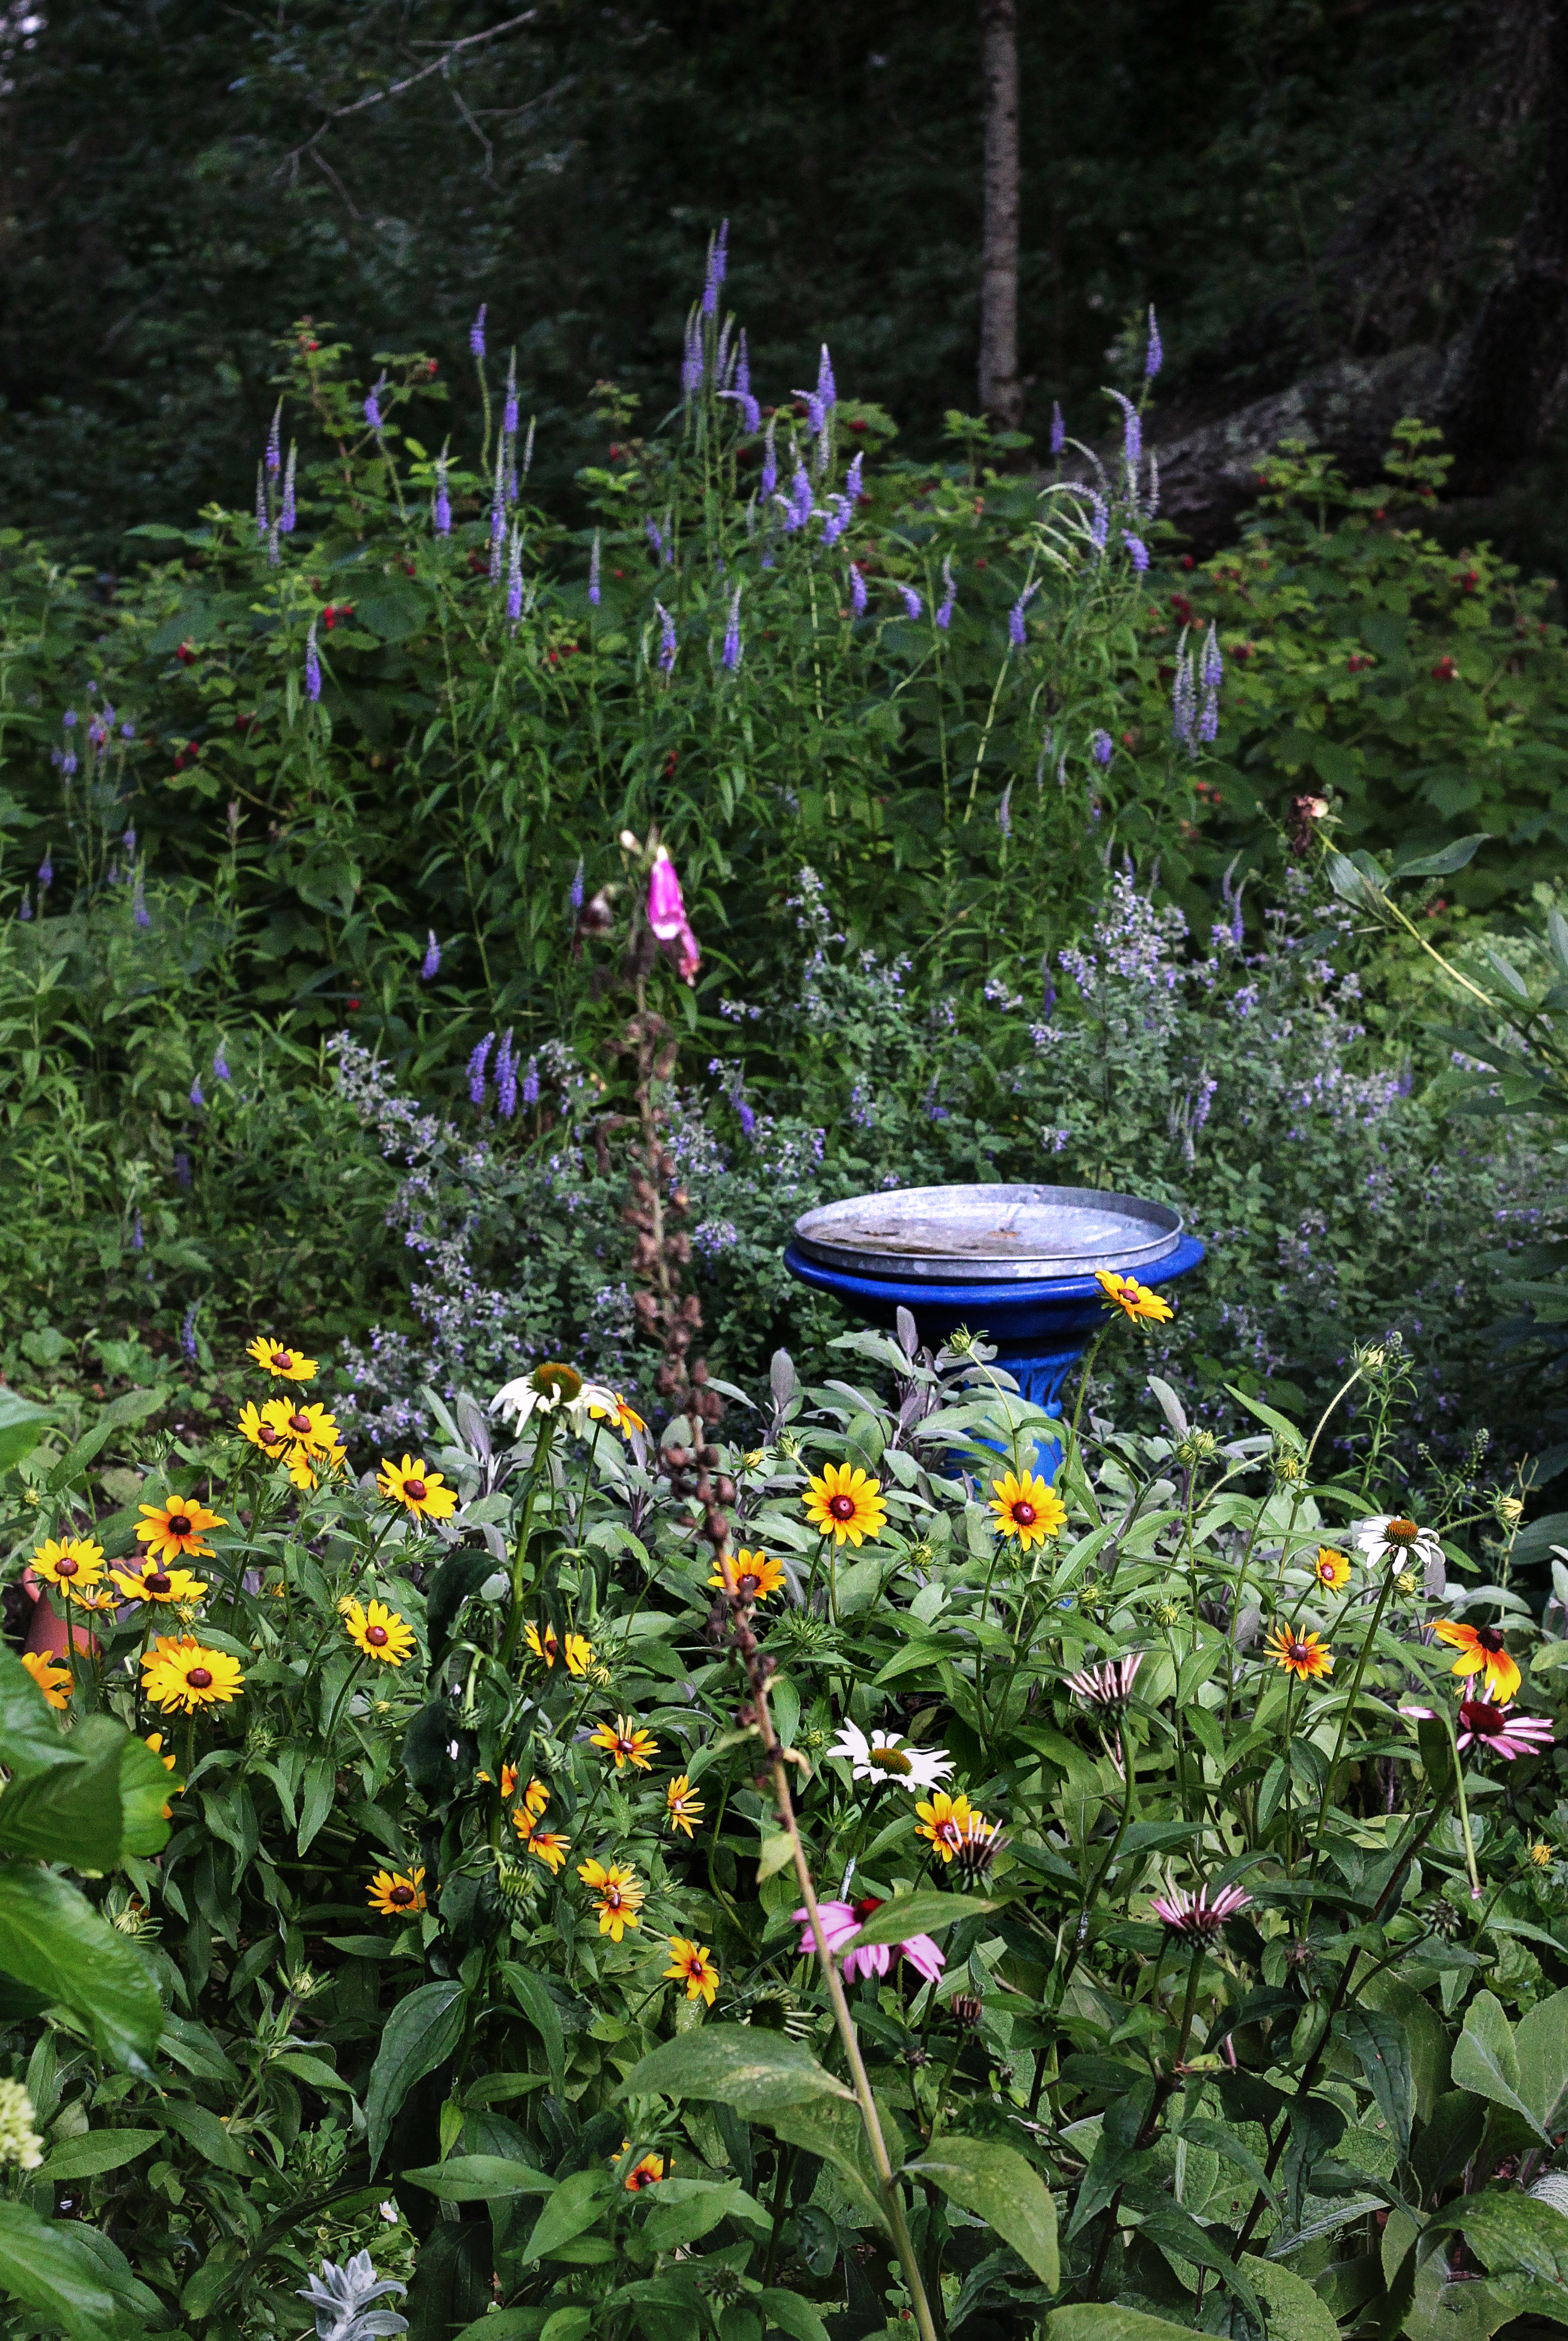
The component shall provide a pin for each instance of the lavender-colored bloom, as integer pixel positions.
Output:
(769, 476)
(949, 598)
(1183, 701)
(1132, 431)
(137, 1239)
(1058, 428)
(476, 332)
(531, 1082)
(514, 577)
(826, 390)
(692, 360)
(1017, 633)
(1004, 812)
(69, 718)
(1101, 747)
(273, 457)
(476, 1064)
(655, 536)
(373, 406)
(579, 877)
(1214, 666)
(442, 509)
(732, 653)
(912, 604)
(852, 480)
(198, 1099)
(312, 665)
(128, 842)
(718, 260)
(528, 448)
(45, 873)
(127, 730)
(837, 521)
(189, 1334)
(1099, 526)
(221, 1065)
(25, 913)
(509, 412)
(506, 1078)
(1048, 1000)
(1137, 550)
(286, 512)
(183, 1167)
(593, 571)
(801, 504)
(260, 507)
(1209, 720)
(666, 639)
(430, 966)
(140, 913)
(856, 591)
(1154, 355)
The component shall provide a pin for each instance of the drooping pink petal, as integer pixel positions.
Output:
(924, 1957)
(667, 911)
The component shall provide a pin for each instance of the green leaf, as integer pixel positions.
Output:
(451, 2283)
(572, 2209)
(832, 2129)
(1009, 2194)
(107, 1801)
(99, 2150)
(476, 2177)
(53, 1939)
(1379, 2043)
(1179, 2234)
(31, 1740)
(421, 2032)
(1445, 865)
(213, 2140)
(134, 1406)
(790, 2313)
(47, 2266)
(1104, 2320)
(1540, 2044)
(462, 1572)
(1277, 1423)
(686, 2209)
(1485, 2058)
(1515, 2234)
(1221, 2139)
(534, 1999)
(314, 2071)
(1296, 2313)
(919, 1914)
(320, 1788)
(732, 2064)
(21, 1427)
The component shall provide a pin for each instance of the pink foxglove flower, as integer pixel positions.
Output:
(842, 1920)
(667, 914)
(1195, 1915)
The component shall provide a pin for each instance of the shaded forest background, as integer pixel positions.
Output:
(1296, 186)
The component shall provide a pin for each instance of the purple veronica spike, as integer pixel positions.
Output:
(506, 1078)
(128, 843)
(312, 664)
(666, 639)
(274, 458)
(1213, 668)
(440, 511)
(691, 362)
(127, 730)
(373, 406)
(140, 913)
(852, 480)
(1137, 550)
(189, 1334)
(1100, 747)
(1017, 633)
(1004, 812)
(1154, 356)
(1058, 428)
(69, 719)
(1183, 701)
(476, 332)
(911, 602)
(183, 1167)
(593, 571)
(837, 521)
(655, 537)
(1209, 720)
(816, 412)
(1100, 525)
(531, 1082)
(576, 895)
(718, 260)
(430, 966)
(770, 474)
(949, 598)
(45, 873)
(476, 1064)
(286, 514)
(260, 507)
(743, 367)
(856, 591)
(514, 577)
(826, 390)
(528, 447)
(509, 412)
(732, 633)
(137, 1239)
(801, 504)
(1132, 431)
(25, 913)
(221, 1065)
(198, 1099)
(68, 763)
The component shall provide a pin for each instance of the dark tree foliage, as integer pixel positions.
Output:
(180, 180)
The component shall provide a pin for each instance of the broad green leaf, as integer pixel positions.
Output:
(517, 2324)
(212, 2139)
(53, 1939)
(1378, 2042)
(1443, 864)
(1426, 2035)
(422, 2030)
(534, 1999)
(31, 1740)
(574, 2206)
(1296, 2313)
(71, 1813)
(1179, 2235)
(790, 2313)
(1277, 1423)
(685, 2217)
(732, 2064)
(1222, 2140)
(919, 1914)
(984, 2176)
(833, 2129)
(134, 1406)
(47, 2265)
(1104, 2320)
(1517, 2235)
(1485, 2058)
(21, 1427)
(477, 2177)
(320, 1788)
(1540, 2044)
(97, 2151)
(451, 2278)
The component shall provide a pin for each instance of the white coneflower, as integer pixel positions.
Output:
(885, 1756)
(19, 2141)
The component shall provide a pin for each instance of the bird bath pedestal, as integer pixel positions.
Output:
(1014, 1264)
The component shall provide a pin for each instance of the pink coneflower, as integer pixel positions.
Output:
(1195, 1916)
(1487, 1723)
(842, 1920)
(1109, 1685)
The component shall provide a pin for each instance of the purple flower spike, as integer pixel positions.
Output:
(1058, 428)
(45, 873)
(312, 665)
(1017, 632)
(856, 591)
(1154, 356)
(826, 390)
(515, 578)
(1132, 431)
(801, 504)
(1100, 747)
(666, 639)
(1137, 550)
(440, 511)
(574, 896)
(718, 261)
(476, 1064)
(476, 332)
(286, 512)
(373, 406)
(137, 1239)
(25, 913)
(852, 480)
(770, 473)
(732, 633)
(593, 571)
(506, 1078)
(274, 458)
(912, 605)
(189, 1334)
(140, 913)
(69, 718)
(692, 360)
(509, 412)
(531, 1082)
(260, 507)
(183, 1167)
(949, 598)
(1209, 720)
(198, 1099)
(1214, 667)
(430, 966)
(655, 537)
(221, 1065)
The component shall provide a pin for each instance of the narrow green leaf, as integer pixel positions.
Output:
(421, 2032)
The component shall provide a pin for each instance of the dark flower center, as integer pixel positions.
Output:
(747, 1582)
(376, 1635)
(891, 1759)
(299, 1421)
(283, 1360)
(866, 1905)
(267, 1435)
(1401, 1532)
(415, 1490)
(1300, 1652)
(179, 1524)
(158, 1582)
(199, 1678)
(1489, 1640)
(67, 1566)
(841, 1506)
(1025, 1514)
(1479, 1716)
(402, 1895)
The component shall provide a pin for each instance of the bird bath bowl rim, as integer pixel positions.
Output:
(879, 1236)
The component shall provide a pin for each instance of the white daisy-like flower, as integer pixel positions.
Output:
(553, 1387)
(885, 1756)
(1394, 1539)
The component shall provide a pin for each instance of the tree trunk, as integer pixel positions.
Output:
(1001, 392)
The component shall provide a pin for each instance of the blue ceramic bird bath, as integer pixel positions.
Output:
(1015, 1263)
